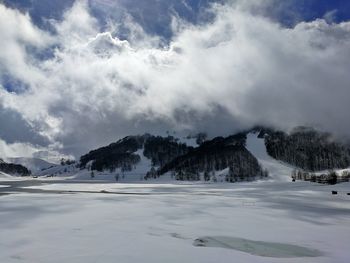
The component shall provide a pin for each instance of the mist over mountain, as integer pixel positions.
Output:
(76, 75)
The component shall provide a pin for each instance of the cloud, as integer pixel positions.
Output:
(16, 149)
(238, 70)
(15, 129)
(330, 16)
(19, 149)
(18, 34)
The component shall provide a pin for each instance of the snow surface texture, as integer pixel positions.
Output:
(160, 223)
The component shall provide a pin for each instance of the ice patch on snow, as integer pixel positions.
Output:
(257, 248)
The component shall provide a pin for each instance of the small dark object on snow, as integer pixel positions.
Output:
(104, 191)
(200, 242)
(334, 192)
(348, 193)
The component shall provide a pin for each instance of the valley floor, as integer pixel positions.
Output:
(67, 221)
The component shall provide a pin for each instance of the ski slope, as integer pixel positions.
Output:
(278, 170)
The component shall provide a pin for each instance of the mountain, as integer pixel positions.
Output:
(33, 164)
(148, 156)
(159, 156)
(244, 156)
(38, 167)
(13, 169)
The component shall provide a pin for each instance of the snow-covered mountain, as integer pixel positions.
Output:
(245, 156)
(151, 157)
(33, 164)
(63, 170)
(12, 169)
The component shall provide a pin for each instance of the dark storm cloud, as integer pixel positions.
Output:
(15, 129)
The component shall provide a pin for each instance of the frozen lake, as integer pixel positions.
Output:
(67, 221)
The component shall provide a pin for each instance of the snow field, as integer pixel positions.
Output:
(162, 224)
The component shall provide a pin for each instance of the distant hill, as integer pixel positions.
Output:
(33, 164)
(13, 169)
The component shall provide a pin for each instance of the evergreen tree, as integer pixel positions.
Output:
(206, 176)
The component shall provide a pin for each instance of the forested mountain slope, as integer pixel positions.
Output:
(13, 169)
(216, 155)
(307, 149)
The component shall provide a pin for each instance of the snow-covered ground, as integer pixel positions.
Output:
(4, 175)
(8, 177)
(246, 222)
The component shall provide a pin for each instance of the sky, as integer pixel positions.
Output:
(76, 75)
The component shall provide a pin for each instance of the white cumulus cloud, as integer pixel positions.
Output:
(239, 70)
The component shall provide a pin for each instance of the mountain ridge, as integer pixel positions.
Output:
(143, 157)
